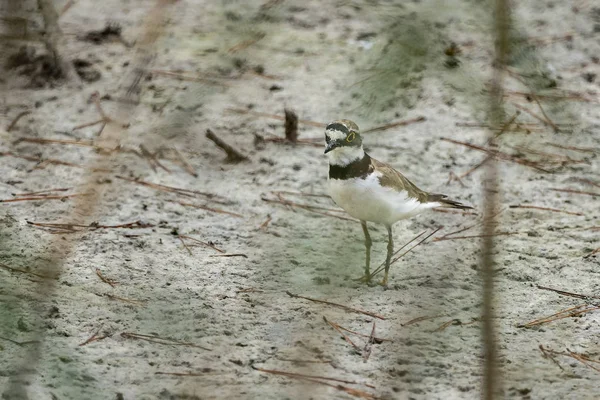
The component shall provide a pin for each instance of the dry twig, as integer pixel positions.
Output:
(233, 156)
(160, 340)
(347, 308)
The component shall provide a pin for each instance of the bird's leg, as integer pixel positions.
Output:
(388, 259)
(368, 243)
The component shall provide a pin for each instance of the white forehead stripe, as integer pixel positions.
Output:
(335, 134)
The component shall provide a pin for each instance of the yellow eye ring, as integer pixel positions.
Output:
(350, 137)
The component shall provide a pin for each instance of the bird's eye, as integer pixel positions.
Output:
(350, 137)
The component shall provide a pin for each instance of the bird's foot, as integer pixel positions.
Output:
(366, 278)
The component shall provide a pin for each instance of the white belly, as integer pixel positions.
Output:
(367, 200)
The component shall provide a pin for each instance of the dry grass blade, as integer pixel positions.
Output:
(420, 319)
(233, 155)
(375, 338)
(380, 268)
(566, 313)
(499, 154)
(343, 307)
(346, 338)
(591, 253)
(182, 192)
(191, 78)
(106, 280)
(369, 345)
(320, 380)
(14, 122)
(67, 227)
(160, 340)
(211, 209)
(43, 193)
(41, 162)
(274, 116)
(476, 236)
(309, 207)
(579, 149)
(574, 191)
(582, 358)
(24, 271)
(82, 143)
(570, 294)
(544, 209)
(396, 124)
(94, 338)
(41, 198)
(212, 246)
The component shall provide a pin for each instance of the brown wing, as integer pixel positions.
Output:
(394, 179)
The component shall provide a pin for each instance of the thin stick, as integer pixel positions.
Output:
(94, 337)
(588, 181)
(420, 319)
(181, 373)
(160, 340)
(17, 118)
(575, 191)
(547, 353)
(24, 271)
(499, 154)
(307, 207)
(534, 115)
(212, 246)
(274, 116)
(233, 155)
(595, 251)
(42, 192)
(476, 236)
(319, 379)
(570, 294)
(39, 198)
(230, 255)
(346, 338)
(194, 78)
(291, 125)
(376, 339)
(380, 268)
(580, 149)
(185, 245)
(180, 191)
(369, 345)
(562, 314)
(544, 209)
(396, 124)
(83, 143)
(355, 310)
(41, 161)
(504, 128)
(88, 124)
(263, 227)
(216, 210)
(110, 282)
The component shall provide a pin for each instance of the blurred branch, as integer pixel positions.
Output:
(53, 40)
(492, 380)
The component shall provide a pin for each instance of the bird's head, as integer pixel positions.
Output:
(343, 142)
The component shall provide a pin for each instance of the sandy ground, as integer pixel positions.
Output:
(218, 317)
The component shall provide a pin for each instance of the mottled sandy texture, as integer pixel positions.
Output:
(325, 60)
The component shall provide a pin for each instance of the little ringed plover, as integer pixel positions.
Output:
(370, 190)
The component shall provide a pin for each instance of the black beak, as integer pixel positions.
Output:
(330, 146)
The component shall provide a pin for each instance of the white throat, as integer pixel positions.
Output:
(342, 156)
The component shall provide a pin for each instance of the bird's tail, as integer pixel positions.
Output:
(446, 202)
